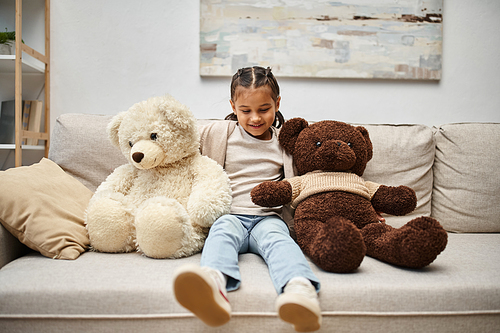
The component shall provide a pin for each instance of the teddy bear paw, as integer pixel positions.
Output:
(109, 226)
(424, 239)
(162, 226)
(338, 246)
(271, 193)
(414, 245)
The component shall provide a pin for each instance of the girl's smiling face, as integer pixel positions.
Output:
(255, 110)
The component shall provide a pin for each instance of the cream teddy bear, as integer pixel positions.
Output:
(163, 202)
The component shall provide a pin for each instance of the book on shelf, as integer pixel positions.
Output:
(31, 121)
(7, 122)
(35, 120)
(26, 117)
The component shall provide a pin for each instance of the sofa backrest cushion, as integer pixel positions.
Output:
(403, 155)
(466, 194)
(80, 146)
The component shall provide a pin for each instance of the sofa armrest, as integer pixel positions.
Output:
(10, 247)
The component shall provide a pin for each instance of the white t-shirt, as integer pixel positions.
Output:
(249, 162)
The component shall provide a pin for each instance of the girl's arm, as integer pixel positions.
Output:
(213, 139)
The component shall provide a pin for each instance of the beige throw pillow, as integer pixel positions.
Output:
(44, 208)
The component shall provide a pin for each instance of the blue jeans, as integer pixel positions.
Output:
(267, 236)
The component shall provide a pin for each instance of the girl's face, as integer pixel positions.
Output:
(255, 110)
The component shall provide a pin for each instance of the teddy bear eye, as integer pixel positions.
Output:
(349, 144)
(130, 143)
(154, 136)
(318, 144)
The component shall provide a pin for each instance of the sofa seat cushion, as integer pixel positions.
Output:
(462, 282)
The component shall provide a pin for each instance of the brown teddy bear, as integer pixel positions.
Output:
(336, 220)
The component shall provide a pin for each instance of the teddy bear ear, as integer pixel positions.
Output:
(176, 112)
(369, 146)
(290, 132)
(113, 127)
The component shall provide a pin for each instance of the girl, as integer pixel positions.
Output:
(246, 144)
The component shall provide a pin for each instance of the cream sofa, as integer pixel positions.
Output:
(455, 170)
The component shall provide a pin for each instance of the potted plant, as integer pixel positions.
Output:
(7, 39)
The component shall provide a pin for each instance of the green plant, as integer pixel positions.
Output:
(7, 37)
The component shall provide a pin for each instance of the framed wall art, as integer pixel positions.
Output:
(366, 39)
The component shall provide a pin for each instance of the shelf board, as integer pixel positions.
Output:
(7, 146)
(8, 65)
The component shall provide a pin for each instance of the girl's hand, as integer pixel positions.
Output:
(379, 216)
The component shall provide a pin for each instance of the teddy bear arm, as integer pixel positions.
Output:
(394, 200)
(210, 195)
(119, 181)
(107, 218)
(272, 193)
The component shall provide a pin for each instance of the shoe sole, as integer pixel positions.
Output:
(196, 294)
(303, 318)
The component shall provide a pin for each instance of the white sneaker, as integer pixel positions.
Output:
(202, 290)
(299, 305)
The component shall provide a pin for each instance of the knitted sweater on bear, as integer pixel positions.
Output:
(319, 181)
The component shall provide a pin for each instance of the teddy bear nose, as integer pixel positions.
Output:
(137, 157)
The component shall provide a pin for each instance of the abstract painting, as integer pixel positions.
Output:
(366, 39)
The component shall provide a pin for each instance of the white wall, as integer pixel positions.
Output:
(108, 55)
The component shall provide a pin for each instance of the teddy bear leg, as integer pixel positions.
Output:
(162, 228)
(335, 245)
(414, 245)
(109, 226)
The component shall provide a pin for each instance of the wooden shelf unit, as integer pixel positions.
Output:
(21, 65)
(8, 65)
